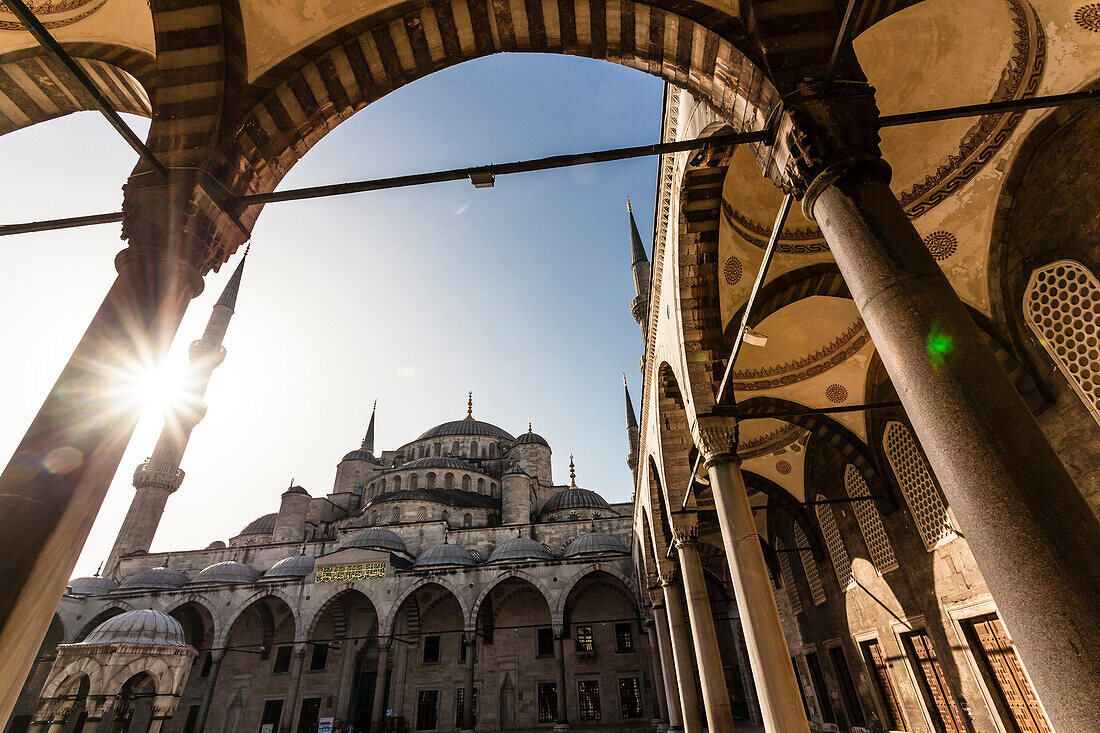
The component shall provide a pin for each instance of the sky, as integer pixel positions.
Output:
(412, 297)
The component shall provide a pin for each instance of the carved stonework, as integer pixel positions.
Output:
(686, 537)
(716, 438)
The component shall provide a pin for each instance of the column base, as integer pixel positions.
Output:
(562, 727)
(661, 726)
(676, 729)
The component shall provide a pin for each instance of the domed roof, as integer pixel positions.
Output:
(360, 454)
(595, 543)
(94, 586)
(445, 555)
(228, 571)
(377, 538)
(575, 498)
(159, 577)
(295, 566)
(453, 497)
(138, 627)
(469, 426)
(520, 548)
(439, 462)
(530, 438)
(514, 470)
(261, 525)
(296, 490)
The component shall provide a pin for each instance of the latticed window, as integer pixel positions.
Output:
(630, 698)
(395, 516)
(624, 638)
(788, 577)
(427, 709)
(460, 701)
(548, 702)
(421, 514)
(588, 697)
(809, 565)
(870, 523)
(1062, 308)
(837, 552)
(916, 484)
(585, 641)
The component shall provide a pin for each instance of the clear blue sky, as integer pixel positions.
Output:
(519, 293)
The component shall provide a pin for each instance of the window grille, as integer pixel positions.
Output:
(838, 553)
(431, 649)
(319, 659)
(870, 523)
(585, 641)
(421, 514)
(395, 516)
(427, 709)
(630, 698)
(548, 702)
(809, 566)
(1062, 308)
(588, 697)
(788, 578)
(467, 520)
(916, 484)
(282, 660)
(624, 638)
(460, 700)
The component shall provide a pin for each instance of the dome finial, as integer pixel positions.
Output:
(529, 431)
(572, 473)
(470, 406)
(628, 205)
(98, 570)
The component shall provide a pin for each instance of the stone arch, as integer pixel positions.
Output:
(820, 279)
(81, 668)
(158, 672)
(197, 618)
(675, 438)
(780, 498)
(113, 610)
(496, 581)
(560, 607)
(662, 529)
(392, 47)
(259, 601)
(339, 602)
(386, 627)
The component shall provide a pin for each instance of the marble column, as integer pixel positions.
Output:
(400, 664)
(743, 664)
(468, 688)
(378, 712)
(683, 657)
(348, 653)
(562, 723)
(660, 720)
(216, 658)
(668, 668)
(48, 513)
(980, 438)
(708, 657)
(290, 702)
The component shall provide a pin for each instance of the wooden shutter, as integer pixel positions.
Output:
(872, 652)
(998, 653)
(934, 683)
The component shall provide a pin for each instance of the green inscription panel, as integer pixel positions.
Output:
(351, 573)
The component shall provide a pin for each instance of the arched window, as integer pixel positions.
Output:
(373, 519)
(1062, 308)
(449, 481)
(446, 516)
(414, 482)
(493, 489)
(481, 486)
(492, 450)
(455, 448)
(917, 486)
(431, 479)
(422, 514)
(466, 482)
(809, 565)
(395, 516)
(370, 489)
(870, 522)
(467, 520)
(422, 452)
(396, 483)
(788, 576)
(473, 448)
(438, 448)
(838, 553)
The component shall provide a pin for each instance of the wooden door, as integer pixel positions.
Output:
(945, 712)
(998, 655)
(876, 660)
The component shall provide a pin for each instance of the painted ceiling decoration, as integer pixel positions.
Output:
(52, 13)
(846, 344)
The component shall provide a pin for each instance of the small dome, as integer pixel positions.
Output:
(360, 455)
(228, 571)
(216, 545)
(516, 470)
(159, 577)
(595, 543)
(530, 438)
(295, 566)
(376, 538)
(296, 490)
(138, 627)
(92, 586)
(520, 548)
(439, 462)
(575, 498)
(445, 555)
(469, 426)
(261, 525)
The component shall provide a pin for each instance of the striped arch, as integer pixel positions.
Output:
(657, 525)
(35, 87)
(338, 605)
(560, 606)
(781, 501)
(386, 625)
(259, 601)
(790, 287)
(676, 442)
(475, 609)
(294, 105)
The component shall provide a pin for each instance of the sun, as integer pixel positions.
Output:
(158, 389)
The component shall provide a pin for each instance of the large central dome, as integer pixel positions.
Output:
(469, 426)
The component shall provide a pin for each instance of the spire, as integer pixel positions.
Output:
(637, 250)
(529, 431)
(572, 473)
(470, 406)
(368, 439)
(631, 419)
(229, 295)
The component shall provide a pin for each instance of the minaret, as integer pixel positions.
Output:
(633, 439)
(157, 478)
(639, 263)
(368, 439)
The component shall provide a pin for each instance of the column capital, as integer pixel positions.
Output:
(717, 437)
(686, 537)
(384, 643)
(821, 133)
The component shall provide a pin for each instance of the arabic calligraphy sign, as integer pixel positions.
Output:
(350, 573)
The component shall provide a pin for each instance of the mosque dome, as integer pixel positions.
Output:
(360, 454)
(440, 462)
(296, 490)
(575, 498)
(94, 586)
(295, 566)
(445, 555)
(228, 571)
(595, 543)
(159, 577)
(530, 438)
(515, 470)
(469, 426)
(520, 548)
(138, 627)
(261, 525)
(377, 538)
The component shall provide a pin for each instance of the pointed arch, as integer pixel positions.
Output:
(506, 575)
(386, 627)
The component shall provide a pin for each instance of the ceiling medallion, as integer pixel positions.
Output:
(732, 270)
(941, 244)
(52, 13)
(782, 468)
(836, 393)
(1088, 17)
